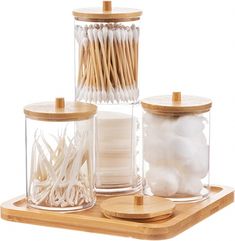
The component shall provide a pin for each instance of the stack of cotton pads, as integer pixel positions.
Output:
(115, 145)
(177, 152)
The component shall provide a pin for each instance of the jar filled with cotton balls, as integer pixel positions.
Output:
(60, 155)
(176, 146)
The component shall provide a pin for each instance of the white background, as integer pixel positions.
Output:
(186, 45)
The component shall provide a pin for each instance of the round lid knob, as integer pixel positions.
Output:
(59, 103)
(176, 97)
(139, 200)
(107, 6)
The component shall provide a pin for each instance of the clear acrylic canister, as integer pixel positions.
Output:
(176, 146)
(106, 54)
(106, 73)
(60, 155)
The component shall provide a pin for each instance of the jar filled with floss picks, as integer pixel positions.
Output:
(60, 155)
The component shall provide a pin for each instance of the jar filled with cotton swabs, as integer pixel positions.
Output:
(106, 73)
(106, 54)
(176, 146)
(60, 155)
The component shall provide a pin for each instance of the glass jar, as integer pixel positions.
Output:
(106, 54)
(106, 73)
(118, 160)
(60, 155)
(176, 146)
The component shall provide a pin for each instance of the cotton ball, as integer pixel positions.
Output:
(199, 139)
(189, 125)
(153, 132)
(154, 125)
(180, 150)
(154, 151)
(152, 120)
(163, 181)
(199, 164)
(168, 125)
(190, 185)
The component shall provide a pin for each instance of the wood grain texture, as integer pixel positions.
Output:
(72, 111)
(163, 105)
(107, 6)
(98, 15)
(92, 220)
(126, 208)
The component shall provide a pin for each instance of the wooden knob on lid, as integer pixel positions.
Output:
(176, 97)
(59, 103)
(139, 200)
(107, 6)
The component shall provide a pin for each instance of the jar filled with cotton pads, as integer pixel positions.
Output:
(117, 149)
(60, 155)
(176, 146)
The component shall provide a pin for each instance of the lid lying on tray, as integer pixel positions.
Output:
(176, 104)
(107, 14)
(60, 111)
(141, 208)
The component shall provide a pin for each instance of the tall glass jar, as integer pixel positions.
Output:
(176, 146)
(106, 73)
(60, 155)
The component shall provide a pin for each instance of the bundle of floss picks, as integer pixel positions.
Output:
(177, 152)
(56, 178)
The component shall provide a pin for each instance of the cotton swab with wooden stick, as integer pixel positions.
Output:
(101, 86)
(109, 85)
(94, 62)
(113, 67)
(108, 63)
(127, 63)
(120, 71)
(136, 49)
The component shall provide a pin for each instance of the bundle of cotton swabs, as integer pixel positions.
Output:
(107, 63)
(56, 179)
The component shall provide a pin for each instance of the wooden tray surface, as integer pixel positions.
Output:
(92, 220)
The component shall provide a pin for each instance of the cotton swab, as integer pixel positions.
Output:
(107, 63)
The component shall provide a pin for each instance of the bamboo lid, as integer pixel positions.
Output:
(60, 111)
(107, 14)
(176, 104)
(137, 207)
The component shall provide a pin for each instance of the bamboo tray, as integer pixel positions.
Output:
(185, 216)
